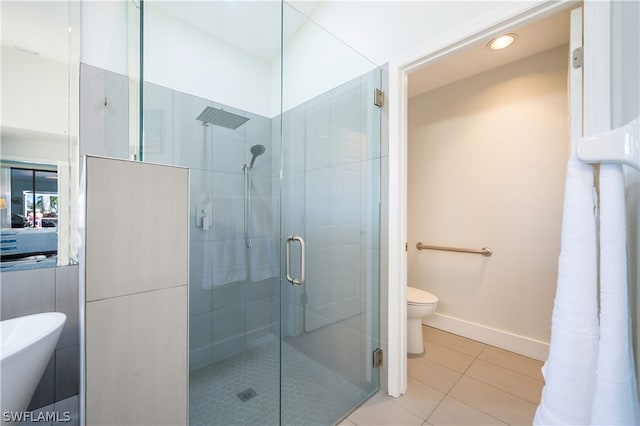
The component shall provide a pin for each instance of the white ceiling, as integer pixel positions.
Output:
(253, 26)
(533, 38)
(37, 26)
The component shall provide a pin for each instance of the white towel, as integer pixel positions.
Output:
(224, 261)
(616, 398)
(263, 259)
(569, 372)
(262, 219)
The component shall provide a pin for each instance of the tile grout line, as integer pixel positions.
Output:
(435, 408)
(478, 409)
(485, 345)
(444, 366)
(464, 374)
(474, 360)
(454, 384)
(512, 370)
(489, 384)
(502, 390)
(509, 371)
(454, 349)
(480, 381)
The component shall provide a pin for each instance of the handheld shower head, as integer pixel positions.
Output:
(256, 150)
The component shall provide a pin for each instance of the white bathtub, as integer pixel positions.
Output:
(27, 345)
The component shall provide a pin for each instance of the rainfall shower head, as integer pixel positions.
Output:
(255, 151)
(222, 118)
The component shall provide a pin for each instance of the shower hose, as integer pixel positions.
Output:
(248, 237)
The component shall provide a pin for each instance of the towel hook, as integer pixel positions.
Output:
(619, 145)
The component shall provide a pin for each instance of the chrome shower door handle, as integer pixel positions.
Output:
(292, 280)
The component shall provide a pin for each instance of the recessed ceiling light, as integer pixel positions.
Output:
(502, 41)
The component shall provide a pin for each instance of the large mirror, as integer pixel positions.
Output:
(38, 133)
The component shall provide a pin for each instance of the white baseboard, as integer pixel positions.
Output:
(502, 339)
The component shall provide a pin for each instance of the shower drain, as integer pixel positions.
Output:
(246, 394)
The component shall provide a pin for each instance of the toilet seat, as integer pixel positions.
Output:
(415, 296)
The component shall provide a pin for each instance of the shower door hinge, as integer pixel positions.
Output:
(378, 98)
(378, 358)
(577, 57)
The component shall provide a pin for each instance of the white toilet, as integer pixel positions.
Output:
(420, 303)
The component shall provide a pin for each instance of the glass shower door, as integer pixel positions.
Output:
(330, 148)
(302, 161)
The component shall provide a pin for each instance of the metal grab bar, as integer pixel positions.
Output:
(485, 251)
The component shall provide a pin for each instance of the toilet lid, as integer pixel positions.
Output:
(415, 295)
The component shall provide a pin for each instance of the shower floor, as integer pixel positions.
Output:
(309, 390)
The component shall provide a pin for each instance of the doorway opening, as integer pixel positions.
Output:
(401, 74)
(487, 152)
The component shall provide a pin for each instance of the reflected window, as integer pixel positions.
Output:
(34, 198)
(29, 236)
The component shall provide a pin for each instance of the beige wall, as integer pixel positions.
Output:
(486, 163)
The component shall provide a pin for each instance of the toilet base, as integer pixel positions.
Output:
(415, 344)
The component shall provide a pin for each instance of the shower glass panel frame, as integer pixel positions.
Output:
(284, 150)
(330, 201)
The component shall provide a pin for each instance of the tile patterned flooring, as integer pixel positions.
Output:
(459, 381)
(311, 391)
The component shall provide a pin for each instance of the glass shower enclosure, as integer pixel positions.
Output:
(275, 118)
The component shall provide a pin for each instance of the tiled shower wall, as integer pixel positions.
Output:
(104, 113)
(233, 289)
(47, 290)
(242, 308)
